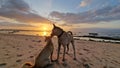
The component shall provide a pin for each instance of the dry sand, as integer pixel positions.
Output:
(15, 50)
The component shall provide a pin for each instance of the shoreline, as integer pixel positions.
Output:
(98, 39)
(90, 38)
(21, 35)
(101, 37)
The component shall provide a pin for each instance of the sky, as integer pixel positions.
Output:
(68, 14)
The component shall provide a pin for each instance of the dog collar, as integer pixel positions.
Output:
(60, 34)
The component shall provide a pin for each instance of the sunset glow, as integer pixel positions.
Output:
(33, 33)
(44, 33)
(46, 30)
(73, 15)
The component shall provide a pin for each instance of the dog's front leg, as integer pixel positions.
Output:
(67, 48)
(59, 46)
(51, 57)
(74, 49)
(64, 53)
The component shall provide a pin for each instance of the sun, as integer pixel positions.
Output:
(45, 30)
(44, 33)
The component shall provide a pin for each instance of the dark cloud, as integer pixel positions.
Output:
(101, 31)
(20, 11)
(65, 24)
(15, 4)
(108, 13)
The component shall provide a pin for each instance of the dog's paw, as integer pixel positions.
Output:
(63, 60)
(56, 60)
(66, 52)
(74, 59)
(48, 65)
(53, 60)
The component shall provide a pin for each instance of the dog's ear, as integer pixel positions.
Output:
(46, 38)
(54, 25)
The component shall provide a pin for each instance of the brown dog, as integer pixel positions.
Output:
(42, 59)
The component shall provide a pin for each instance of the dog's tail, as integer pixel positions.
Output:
(70, 32)
(27, 65)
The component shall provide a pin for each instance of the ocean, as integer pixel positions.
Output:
(47, 33)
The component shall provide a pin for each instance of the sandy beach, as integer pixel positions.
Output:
(15, 50)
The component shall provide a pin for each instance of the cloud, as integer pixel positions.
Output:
(84, 3)
(20, 11)
(15, 4)
(66, 25)
(14, 24)
(108, 13)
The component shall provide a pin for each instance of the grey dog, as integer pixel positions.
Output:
(64, 38)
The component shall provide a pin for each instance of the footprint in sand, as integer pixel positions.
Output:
(86, 49)
(86, 66)
(6, 54)
(105, 67)
(29, 52)
(18, 48)
(3, 64)
(13, 47)
(3, 48)
(31, 56)
(19, 60)
(26, 39)
(31, 46)
(36, 41)
(19, 55)
(80, 53)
